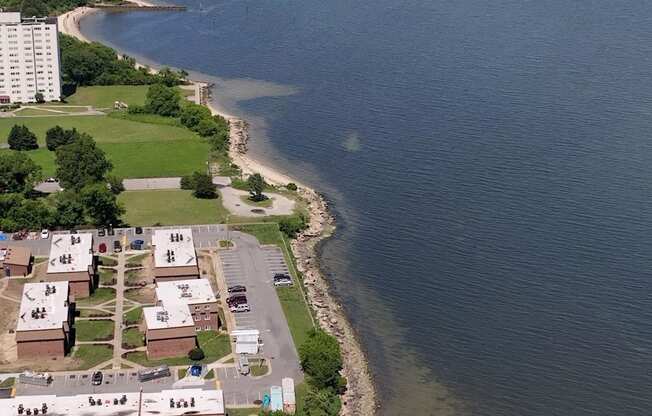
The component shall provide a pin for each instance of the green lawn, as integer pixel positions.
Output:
(8, 382)
(101, 295)
(168, 207)
(137, 261)
(136, 149)
(107, 277)
(265, 203)
(140, 295)
(258, 368)
(210, 375)
(89, 356)
(108, 261)
(98, 330)
(134, 316)
(132, 338)
(92, 313)
(215, 346)
(104, 96)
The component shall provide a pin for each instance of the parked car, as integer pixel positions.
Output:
(281, 279)
(243, 364)
(51, 180)
(97, 378)
(102, 248)
(117, 247)
(20, 235)
(241, 307)
(137, 244)
(195, 370)
(101, 232)
(45, 234)
(110, 231)
(139, 230)
(236, 299)
(237, 289)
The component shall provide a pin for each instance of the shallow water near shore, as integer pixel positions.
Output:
(490, 166)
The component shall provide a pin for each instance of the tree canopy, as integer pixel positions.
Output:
(57, 136)
(321, 359)
(69, 209)
(256, 185)
(18, 173)
(162, 100)
(21, 138)
(101, 204)
(81, 163)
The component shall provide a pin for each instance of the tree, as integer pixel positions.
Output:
(170, 78)
(188, 182)
(115, 184)
(31, 8)
(204, 186)
(292, 225)
(191, 114)
(81, 162)
(18, 173)
(321, 403)
(291, 186)
(206, 127)
(20, 138)
(101, 204)
(28, 214)
(39, 98)
(162, 100)
(256, 185)
(69, 209)
(196, 354)
(321, 359)
(57, 136)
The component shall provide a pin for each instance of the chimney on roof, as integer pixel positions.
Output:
(171, 238)
(69, 258)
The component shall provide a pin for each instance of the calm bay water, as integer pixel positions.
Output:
(491, 169)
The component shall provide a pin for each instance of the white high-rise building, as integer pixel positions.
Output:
(29, 58)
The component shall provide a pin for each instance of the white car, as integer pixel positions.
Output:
(243, 307)
(45, 234)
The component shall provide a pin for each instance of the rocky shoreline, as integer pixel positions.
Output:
(360, 397)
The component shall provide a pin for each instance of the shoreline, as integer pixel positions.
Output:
(360, 397)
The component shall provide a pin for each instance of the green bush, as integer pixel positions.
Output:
(290, 226)
(21, 138)
(196, 354)
(321, 359)
(291, 186)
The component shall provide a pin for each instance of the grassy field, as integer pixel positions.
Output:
(107, 277)
(167, 207)
(101, 295)
(136, 149)
(98, 330)
(215, 346)
(89, 356)
(132, 338)
(108, 261)
(104, 96)
(134, 316)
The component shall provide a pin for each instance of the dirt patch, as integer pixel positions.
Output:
(141, 295)
(207, 270)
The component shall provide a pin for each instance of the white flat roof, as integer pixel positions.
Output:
(9, 17)
(186, 292)
(39, 296)
(205, 402)
(70, 253)
(174, 247)
(168, 316)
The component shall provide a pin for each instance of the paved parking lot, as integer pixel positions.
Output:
(115, 381)
(251, 265)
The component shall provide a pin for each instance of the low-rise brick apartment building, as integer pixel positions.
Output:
(44, 320)
(174, 255)
(197, 295)
(195, 402)
(72, 260)
(169, 331)
(16, 261)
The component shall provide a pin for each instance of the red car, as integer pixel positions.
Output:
(102, 248)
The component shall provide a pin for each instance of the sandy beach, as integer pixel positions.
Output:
(360, 398)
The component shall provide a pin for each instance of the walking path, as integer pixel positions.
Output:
(119, 306)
